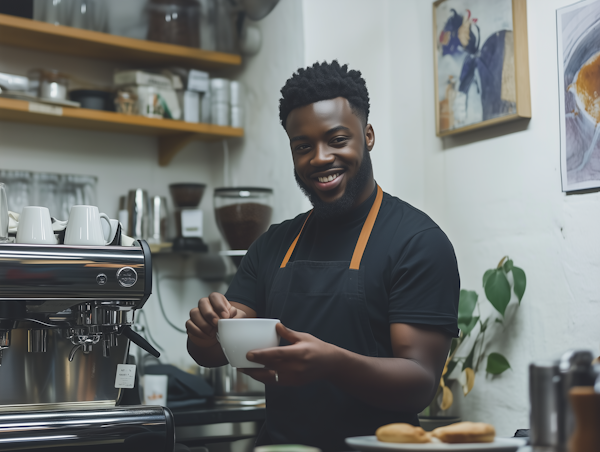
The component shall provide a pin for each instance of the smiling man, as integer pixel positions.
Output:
(365, 285)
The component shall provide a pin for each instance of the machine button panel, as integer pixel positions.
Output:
(127, 276)
(101, 279)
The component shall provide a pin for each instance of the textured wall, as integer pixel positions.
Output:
(498, 192)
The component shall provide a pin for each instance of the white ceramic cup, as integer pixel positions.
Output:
(35, 226)
(238, 336)
(155, 389)
(85, 227)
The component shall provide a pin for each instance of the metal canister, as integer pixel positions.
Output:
(139, 214)
(159, 218)
(545, 394)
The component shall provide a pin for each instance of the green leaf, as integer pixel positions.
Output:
(520, 282)
(508, 265)
(469, 361)
(497, 320)
(484, 325)
(497, 290)
(486, 275)
(496, 364)
(467, 328)
(466, 305)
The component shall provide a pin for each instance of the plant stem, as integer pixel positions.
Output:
(501, 263)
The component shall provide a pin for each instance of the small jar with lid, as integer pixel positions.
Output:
(174, 22)
(126, 102)
(53, 85)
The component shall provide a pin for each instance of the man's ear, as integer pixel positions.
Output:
(369, 137)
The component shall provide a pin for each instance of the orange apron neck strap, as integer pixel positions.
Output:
(366, 231)
(293, 245)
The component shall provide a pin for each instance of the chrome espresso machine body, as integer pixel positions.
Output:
(65, 325)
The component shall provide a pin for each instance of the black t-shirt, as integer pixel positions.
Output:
(411, 274)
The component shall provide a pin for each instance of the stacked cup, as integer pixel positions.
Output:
(235, 98)
(219, 101)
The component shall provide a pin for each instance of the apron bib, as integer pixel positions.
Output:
(327, 300)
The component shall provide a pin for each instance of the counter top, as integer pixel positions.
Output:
(215, 414)
(217, 423)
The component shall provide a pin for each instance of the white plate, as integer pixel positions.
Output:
(371, 444)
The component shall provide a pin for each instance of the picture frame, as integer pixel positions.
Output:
(578, 55)
(481, 64)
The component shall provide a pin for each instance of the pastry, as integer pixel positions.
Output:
(465, 432)
(402, 433)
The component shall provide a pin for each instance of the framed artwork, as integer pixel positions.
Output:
(481, 63)
(578, 33)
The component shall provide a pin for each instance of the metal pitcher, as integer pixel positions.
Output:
(551, 418)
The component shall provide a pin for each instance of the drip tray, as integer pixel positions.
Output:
(240, 401)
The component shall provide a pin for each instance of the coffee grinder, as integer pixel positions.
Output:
(188, 217)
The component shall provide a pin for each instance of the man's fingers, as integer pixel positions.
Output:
(202, 322)
(214, 307)
(263, 375)
(289, 335)
(196, 333)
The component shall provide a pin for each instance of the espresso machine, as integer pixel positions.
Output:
(65, 326)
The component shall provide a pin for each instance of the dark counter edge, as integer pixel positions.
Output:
(218, 415)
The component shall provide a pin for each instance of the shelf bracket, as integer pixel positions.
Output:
(170, 145)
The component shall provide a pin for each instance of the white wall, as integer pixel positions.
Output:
(498, 192)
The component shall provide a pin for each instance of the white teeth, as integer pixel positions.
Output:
(328, 178)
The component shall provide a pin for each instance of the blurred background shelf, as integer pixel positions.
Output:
(172, 135)
(32, 34)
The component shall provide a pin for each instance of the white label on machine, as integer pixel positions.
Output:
(125, 377)
(191, 223)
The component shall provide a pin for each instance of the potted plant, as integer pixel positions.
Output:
(469, 351)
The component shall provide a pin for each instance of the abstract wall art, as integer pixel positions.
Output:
(578, 36)
(481, 63)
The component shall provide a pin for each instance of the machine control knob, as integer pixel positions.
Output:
(101, 279)
(127, 276)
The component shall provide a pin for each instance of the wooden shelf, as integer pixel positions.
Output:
(33, 34)
(172, 135)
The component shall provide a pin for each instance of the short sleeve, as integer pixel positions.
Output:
(425, 283)
(244, 287)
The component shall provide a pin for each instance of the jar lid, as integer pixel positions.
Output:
(242, 191)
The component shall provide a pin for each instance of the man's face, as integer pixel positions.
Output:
(329, 144)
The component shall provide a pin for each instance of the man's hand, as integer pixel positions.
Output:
(405, 382)
(306, 359)
(202, 325)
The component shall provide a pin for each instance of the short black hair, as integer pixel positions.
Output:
(323, 81)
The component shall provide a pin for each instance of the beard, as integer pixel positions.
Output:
(354, 188)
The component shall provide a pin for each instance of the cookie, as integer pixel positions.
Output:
(402, 433)
(465, 432)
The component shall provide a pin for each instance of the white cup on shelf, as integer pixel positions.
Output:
(35, 226)
(85, 227)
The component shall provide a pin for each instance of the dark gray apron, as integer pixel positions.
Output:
(327, 300)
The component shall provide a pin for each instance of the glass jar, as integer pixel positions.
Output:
(46, 190)
(243, 214)
(174, 22)
(126, 102)
(18, 186)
